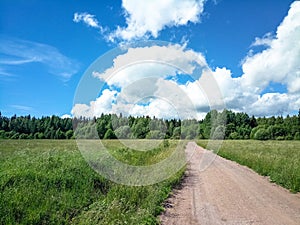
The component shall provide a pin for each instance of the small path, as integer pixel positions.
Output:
(228, 193)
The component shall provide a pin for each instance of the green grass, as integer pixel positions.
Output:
(280, 160)
(49, 182)
(145, 152)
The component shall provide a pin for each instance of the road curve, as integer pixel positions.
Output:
(228, 193)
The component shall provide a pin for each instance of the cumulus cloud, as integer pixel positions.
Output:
(148, 18)
(145, 85)
(144, 78)
(265, 40)
(271, 104)
(156, 107)
(280, 61)
(151, 61)
(102, 104)
(66, 116)
(16, 52)
(89, 19)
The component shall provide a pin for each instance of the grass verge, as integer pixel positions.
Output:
(49, 182)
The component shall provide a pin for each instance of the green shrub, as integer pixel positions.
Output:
(254, 130)
(280, 138)
(289, 137)
(69, 134)
(219, 133)
(297, 136)
(15, 136)
(262, 134)
(155, 134)
(110, 134)
(234, 136)
(23, 136)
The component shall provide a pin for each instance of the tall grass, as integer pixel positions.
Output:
(280, 160)
(49, 182)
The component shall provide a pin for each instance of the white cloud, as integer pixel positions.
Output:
(102, 104)
(22, 108)
(280, 61)
(135, 72)
(234, 96)
(18, 61)
(83, 110)
(195, 95)
(145, 18)
(266, 40)
(151, 61)
(141, 74)
(66, 116)
(160, 108)
(272, 104)
(16, 52)
(88, 19)
(4, 73)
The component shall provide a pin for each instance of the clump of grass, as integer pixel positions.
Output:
(45, 182)
(129, 205)
(277, 159)
(159, 151)
(49, 182)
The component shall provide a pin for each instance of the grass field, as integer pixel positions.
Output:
(49, 182)
(280, 160)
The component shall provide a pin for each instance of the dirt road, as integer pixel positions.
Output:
(228, 193)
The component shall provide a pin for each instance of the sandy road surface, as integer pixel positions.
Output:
(228, 193)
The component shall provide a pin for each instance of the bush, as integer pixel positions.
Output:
(23, 136)
(219, 133)
(155, 134)
(177, 133)
(69, 134)
(41, 135)
(289, 137)
(123, 132)
(297, 136)
(2, 134)
(277, 131)
(201, 136)
(234, 135)
(110, 134)
(15, 136)
(262, 134)
(254, 130)
(280, 138)
(166, 143)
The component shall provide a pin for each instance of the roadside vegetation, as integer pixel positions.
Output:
(279, 160)
(49, 182)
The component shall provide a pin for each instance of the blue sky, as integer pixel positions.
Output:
(46, 47)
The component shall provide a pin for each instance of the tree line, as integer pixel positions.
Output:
(215, 125)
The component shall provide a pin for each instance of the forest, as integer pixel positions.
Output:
(215, 125)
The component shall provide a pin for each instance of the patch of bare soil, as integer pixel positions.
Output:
(228, 193)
